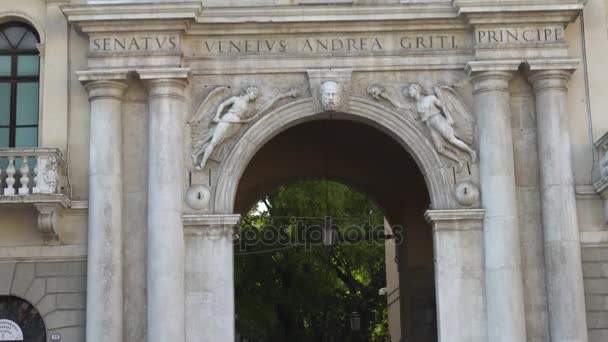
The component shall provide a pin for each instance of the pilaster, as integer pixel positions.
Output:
(459, 274)
(210, 277)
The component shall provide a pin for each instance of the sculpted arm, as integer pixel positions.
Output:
(221, 108)
(266, 106)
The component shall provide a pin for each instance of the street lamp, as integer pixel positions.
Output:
(355, 321)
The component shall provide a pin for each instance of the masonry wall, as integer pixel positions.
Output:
(55, 289)
(595, 270)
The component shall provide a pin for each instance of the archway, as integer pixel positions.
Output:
(412, 183)
(404, 130)
(371, 161)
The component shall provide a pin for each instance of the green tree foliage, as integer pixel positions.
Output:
(292, 287)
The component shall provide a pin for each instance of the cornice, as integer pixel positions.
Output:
(163, 73)
(514, 12)
(331, 13)
(143, 11)
(102, 75)
(192, 16)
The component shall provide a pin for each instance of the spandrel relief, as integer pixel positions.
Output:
(229, 114)
(450, 123)
(450, 127)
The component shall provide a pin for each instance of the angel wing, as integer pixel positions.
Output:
(213, 100)
(454, 106)
(200, 130)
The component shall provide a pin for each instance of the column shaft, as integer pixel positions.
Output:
(210, 279)
(567, 317)
(504, 282)
(104, 274)
(165, 195)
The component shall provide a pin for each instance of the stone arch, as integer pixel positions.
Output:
(400, 127)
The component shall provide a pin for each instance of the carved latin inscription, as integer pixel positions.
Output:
(319, 45)
(134, 43)
(520, 35)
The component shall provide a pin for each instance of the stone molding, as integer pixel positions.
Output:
(485, 12)
(43, 253)
(456, 220)
(211, 226)
(474, 67)
(132, 11)
(485, 78)
(87, 14)
(163, 82)
(102, 75)
(105, 89)
(546, 80)
(163, 73)
(104, 84)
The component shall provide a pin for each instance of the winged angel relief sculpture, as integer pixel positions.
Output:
(228, 117)
(449, 120)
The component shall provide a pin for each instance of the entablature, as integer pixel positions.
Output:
(390, 37)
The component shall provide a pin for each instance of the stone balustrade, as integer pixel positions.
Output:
(29, 171)
(35, 176)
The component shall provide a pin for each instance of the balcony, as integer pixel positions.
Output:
(35, 176)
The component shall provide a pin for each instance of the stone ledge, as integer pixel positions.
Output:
(196, 220)
(456, 220)
(483, 12)
(51, 208)
(126, 11)
(43, 253)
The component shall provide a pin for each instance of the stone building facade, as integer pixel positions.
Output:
(134, 134)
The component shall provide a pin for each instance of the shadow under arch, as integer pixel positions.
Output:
(398, 126)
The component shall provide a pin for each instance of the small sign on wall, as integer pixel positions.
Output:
(55, 337)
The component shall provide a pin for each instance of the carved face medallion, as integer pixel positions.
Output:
(331, 96)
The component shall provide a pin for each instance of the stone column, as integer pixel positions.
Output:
(504, 281)
(210, 277)
(567, 317)
(104, 270)
(459, 274)
(166, 177)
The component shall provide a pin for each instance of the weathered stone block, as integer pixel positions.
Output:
(595, 269)
(54, 269)
(66, 284)
(24, 275)
(65, 318)
(36, 291)
(47, 304)
(595, 254)
(6, 276)
(596, 302)
(597, 320)
(596, 286)
(598, 335)
(71, 301)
